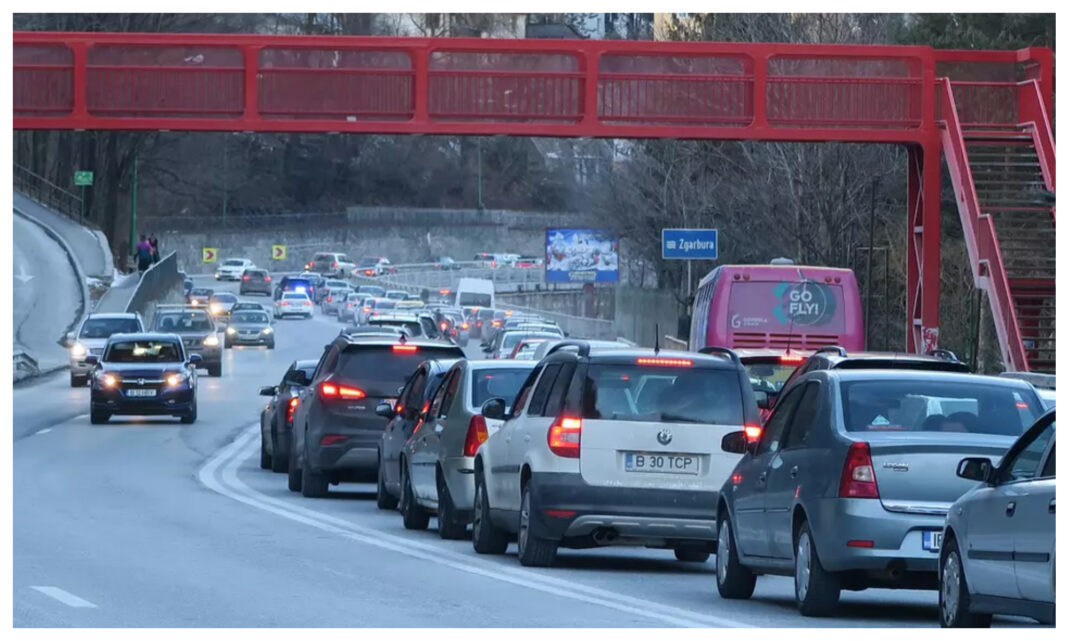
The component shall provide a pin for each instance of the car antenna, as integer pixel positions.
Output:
(656, 343)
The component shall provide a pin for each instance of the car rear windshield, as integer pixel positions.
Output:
(385, 303)
(104, 327)
(338, 284)
(902, 363)
(510, 339)
(410, 328)
(183, 322)
(367, 262)
(475, 299)
(255, 273)
(295, 296)
(380, 369)
(485, 314)
(769, 377)
(324, 257)
(251, 317)
(919, 404)
(666, 394)
(496, 383)
(371, 289)
(143, 352)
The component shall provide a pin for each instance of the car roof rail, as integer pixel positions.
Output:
(715, 350)
(835, 349)
(582, 346)
(944, 354)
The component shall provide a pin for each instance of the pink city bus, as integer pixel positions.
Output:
(775, 315)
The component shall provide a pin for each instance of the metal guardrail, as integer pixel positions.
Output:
(47, 192)
(25, 365)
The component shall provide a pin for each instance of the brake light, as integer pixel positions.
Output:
(858, 474)
(349, 305)
(496, 323)
(330, 439)
(464, 326)
(752, 432)
(366, 309)
(329, 299)
(291, 408)
(791, 358)
(444, 291)
(285, 303)
(330, 390)
(244, 278)
(335, 265)
(479, 323)
(565, 437)
(665, 362)
(267, 279)
(407, 349)
(444, 326)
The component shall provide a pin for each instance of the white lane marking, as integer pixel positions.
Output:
(80, 416)
(64, 597)
(44, 431)
(231, 486)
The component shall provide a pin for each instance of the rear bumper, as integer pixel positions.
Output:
(633, 513)
(358, 452)
(897, 538)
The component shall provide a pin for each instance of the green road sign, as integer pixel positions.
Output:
(83, 178)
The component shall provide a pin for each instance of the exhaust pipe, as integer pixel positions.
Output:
(605, 535)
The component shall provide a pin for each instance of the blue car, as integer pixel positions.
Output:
(144, 374)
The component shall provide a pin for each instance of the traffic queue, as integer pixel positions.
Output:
(841, 468)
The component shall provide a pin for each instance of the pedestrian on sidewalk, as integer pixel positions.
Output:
(144, 254)
(155, 248)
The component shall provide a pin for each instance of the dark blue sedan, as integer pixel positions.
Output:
(143, 375)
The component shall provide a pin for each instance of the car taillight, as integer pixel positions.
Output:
(479, 324)
(335, 265)
(285, 303)
(331, 390)
(407, 349)
(858, 474)
(244, 278)
(496, 323)
(329, 299)
(665, 362)
(292, 407)
(464, 326)
(565, 437)
(791, 358)
(366, 309)
(476, 435)
(267, 279)
(331, 439)
(444, 326)
(752, 432)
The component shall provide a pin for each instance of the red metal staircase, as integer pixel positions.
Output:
(1002, 165)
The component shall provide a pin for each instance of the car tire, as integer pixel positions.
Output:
(270, 345)
(279, 463)
(98, 418)
(383, 499)
(535, 550)
(412, 514)
(486, 537)
(190, 416)
(215, 370)
(227, 344)
(313, 485)
(294, 479)
(450, 526)
(816, 590)
(733, 580)
(265, 458)
(78, 381)
(691, 555)
(954, 599)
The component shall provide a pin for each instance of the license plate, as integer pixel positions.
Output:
(661, 463)
(932, 540)
(141, 392)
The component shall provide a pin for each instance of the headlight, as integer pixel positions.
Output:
(194, 302)
(78, 350)
(229, 330)
(174, 380)
(107, 379)
(216, 308)
(211, 341)
(267, 330)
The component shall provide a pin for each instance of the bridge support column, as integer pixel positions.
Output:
(924, 270)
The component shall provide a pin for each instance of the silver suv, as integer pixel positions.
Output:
(197, 330)
(91, 338)
(609, 447)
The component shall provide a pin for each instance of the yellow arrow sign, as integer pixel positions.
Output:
(209, 254)
(278, 252)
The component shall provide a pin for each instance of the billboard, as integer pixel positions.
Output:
(581, 256)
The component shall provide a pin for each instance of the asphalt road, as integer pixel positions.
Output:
(150, 523)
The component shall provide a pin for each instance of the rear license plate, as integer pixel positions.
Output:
(932, 540)
(141, 392)
(661, 463)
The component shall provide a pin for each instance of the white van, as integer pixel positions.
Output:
(475, 292)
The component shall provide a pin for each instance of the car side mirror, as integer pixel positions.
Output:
(734, 443)
(195, 360)
(269, 390)
(68, 340)
(494, 408)
(385, 410)
(91, 359)
(762, 399)
(976, 469)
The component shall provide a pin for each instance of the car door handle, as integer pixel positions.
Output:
(1053, 506)
(793, 471)
(1010, 509)
(763, 476)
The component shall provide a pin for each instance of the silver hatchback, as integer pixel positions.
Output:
(440, 454)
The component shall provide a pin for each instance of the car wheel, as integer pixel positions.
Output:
(78, 381)
(190, 416)
(534, 550)
(413, 514)
(97, 418)
(450, 526)
(383, 498)
(954, 599)
(294, 480)
(815, 589)
(280, 459)
(215, 370)
(227, 344)
(734, 580)
(486, 537)
(265, 458)
(691, 555)
(313, 485)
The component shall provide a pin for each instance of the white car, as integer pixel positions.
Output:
(611, 447)
(373, 266)
(233, 268)
(91, 338)
(293, 304)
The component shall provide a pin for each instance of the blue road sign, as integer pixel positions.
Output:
(689, 244)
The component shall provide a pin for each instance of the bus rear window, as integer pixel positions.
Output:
(662, 394)
(475, 299)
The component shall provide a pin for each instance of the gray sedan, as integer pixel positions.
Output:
(848, 485)
(998, 548)
(441, 452)
(249, 327)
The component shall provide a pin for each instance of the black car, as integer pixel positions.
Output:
(144, 374)
(255, 280)
(276, 420)
(413, 398)
(336, 428)
(294, 284)
(199, 296)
